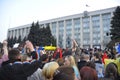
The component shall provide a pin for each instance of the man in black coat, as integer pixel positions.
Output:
(83, 61)
(14, 69)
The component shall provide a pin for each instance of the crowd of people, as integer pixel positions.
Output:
(27, 63)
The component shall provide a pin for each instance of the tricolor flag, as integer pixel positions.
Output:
(87, 5)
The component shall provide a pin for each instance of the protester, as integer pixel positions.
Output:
(14, 69)
(90, 64)
(37, 75)
(70, 61)
(57, 54)
(99, 66)
(4, 53)
(75, 64)
(104, 56)
(83, 61)
(64, 73)
(111, 72)
(88, 73)
(49, 69)
(44, 59)
(60, 61)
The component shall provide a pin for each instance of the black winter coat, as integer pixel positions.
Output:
(18, 71)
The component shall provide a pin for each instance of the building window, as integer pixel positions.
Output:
(23, 33)
(106, 18)
(86, 28)
(54, 29)
(68, 28)
(77, 26)
(96, 24)
(60, 41)
(27, 30)
(68, 42)
(61, 27)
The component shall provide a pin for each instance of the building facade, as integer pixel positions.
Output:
(88, 29)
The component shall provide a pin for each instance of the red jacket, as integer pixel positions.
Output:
(58, 53)
(104, 57)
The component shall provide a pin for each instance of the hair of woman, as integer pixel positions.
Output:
(49, 69)
(64, 73)
(111, 71)
(88, 73)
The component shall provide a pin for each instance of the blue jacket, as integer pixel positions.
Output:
(100, 69)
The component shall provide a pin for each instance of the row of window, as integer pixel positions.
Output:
(85, 42)
(18, 32)
(86, 20)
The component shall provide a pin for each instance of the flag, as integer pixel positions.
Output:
(87, 5)
(117, 47)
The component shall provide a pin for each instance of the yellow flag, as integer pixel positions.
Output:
(117, 62)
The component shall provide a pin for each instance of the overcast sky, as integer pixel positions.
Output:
(15, 13)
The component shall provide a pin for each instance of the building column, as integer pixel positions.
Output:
(25, 32)
(81, 33)
(112, 15)
(91, 33)
(17, 34)
(57, 33)
(101, 32)
(13, 34)
(72, 29)
(50, 26)
(21, 33)
(64, 37)
(29, 30)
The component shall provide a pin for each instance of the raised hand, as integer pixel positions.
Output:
(5, 43)
(29, 46)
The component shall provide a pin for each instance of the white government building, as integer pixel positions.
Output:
(88, 29)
